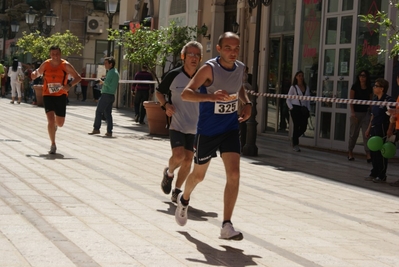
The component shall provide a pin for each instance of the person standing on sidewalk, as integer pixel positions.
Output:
(16, 79)
(184, 117)
(360, 114)
(84, 83)
(2, 74)
(379, 125)
(37, 81)
(220, 83)
(299, 119)
(55, 90)
(108, 90)
(142, 92)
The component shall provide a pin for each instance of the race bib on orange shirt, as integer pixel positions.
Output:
(54, 87)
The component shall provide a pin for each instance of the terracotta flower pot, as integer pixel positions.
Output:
(39, 94)
(156, 118)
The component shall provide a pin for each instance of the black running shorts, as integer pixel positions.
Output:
(181, 139)
(56, 104)
(205, 147)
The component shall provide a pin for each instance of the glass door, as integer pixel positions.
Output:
(279, 82)
(337, 73)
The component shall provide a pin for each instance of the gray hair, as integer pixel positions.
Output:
(191, 44)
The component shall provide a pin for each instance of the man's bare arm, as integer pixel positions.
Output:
(202, 77)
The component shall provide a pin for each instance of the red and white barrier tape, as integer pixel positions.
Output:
(326, 99)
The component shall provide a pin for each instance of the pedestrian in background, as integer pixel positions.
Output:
(55, 90)
(84, 83)
(142, 92)
(360, 114)
(381, 126)
(299, 109)
(96, 85)
(2, 80)
(108, 90)
(184, 117)
(37, 81)
(16, 79)
(28, 80)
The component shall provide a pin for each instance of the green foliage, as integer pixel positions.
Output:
(39, 45)
(154, 47)
(387, 28)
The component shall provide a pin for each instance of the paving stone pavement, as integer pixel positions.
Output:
(98, 201)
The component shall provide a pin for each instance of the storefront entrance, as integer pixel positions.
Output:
(337, 73)
(279, 82)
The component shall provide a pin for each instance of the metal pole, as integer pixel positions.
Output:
(250, 148)
(4, 42)
(110, 19)
(3, 11)
(119, 85)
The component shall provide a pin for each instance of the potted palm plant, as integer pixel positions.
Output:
(158, 49)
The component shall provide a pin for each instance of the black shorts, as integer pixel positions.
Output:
(56, 104)
(206, 146)
(181, 139)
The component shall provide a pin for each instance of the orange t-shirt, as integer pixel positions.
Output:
(397, 114)
(54, 78)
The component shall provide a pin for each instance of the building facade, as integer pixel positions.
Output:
(331, 45)
(325, 39)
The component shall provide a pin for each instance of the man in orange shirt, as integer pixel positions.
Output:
(55, 90)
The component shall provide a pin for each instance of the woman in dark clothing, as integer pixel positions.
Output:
(360, 114)
(379, 126)
(296, 106)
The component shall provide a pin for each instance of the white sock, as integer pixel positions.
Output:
(170, 174)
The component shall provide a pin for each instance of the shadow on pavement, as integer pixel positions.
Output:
(49, 156)
(322, 163)
(228, 257)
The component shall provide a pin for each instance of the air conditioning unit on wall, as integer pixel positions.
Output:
(95, 25)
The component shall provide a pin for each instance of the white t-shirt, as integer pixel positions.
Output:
(14, 74)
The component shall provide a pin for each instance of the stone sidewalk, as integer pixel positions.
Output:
(98, 202)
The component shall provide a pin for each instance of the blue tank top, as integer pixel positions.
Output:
(218, 118)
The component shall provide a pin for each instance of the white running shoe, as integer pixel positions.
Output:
(227, 232)
(181, 211)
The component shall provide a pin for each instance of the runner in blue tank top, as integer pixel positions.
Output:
(220, 83)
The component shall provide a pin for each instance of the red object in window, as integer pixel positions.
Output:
(133, 26)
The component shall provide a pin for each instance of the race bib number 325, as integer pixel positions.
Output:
(227, 107)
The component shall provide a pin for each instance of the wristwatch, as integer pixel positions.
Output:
(163, 106)
(249, 103)
(70, 85)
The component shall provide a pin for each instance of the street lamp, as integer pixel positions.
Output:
(14, 27)
(43, 26)
(250, 148)
(111, 6)
(5, 28)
